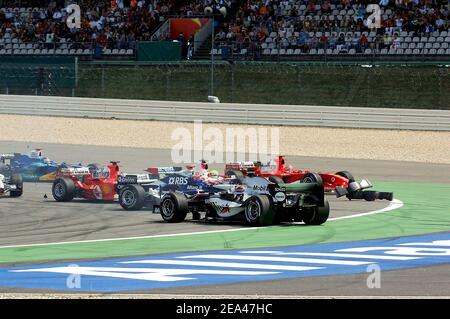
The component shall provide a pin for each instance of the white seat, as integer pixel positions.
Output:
(37, 51)
(130, 51)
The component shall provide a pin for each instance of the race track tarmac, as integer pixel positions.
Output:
(35, 219)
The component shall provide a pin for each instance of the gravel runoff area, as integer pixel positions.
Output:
(397, 145)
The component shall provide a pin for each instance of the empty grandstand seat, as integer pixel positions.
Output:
(431, 39)
(416, 39)
(130, 51)
(416, 51)
(408, 51)
(44, 51)
(391, 51)
(58, 51)
(37, 51)
(266, 51)
(399, 51)
(436, 45)
(72, 51)
(321, 51)
(297, 52)
(383, 51)
(329, 51)
(444, 34)
(51, 51)
(440, 52)
(2, 51)
(432, 51)
(30, 51)
(444, 45)
(313, 51)
(420, 45)
(428, 45)
(86, 52)
(368, 51)
(274, 52)
(352, 51)
(282, 51)
(412, 45)
(23, 51)
(107, 52)
(289, 51)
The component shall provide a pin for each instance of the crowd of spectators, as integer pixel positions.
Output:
(118, 24)
(115, 24)
(319, 26)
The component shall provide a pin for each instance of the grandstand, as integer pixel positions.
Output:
(252, 30)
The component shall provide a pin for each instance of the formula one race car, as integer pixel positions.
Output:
(90, 182)
(34, 166)
(341, 183)
(10, 182)
(252, 199)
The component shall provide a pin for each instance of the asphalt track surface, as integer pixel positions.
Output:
(34, 219)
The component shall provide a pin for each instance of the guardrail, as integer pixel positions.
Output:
(266, 114)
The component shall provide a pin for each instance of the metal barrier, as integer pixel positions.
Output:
(266, 114)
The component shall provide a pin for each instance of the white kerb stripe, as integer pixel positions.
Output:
(361, 256)
(222, 264)
(280, 259)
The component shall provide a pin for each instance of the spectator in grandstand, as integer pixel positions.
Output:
(395, 42)
(363, 42)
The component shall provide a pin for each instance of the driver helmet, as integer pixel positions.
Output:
(214, 173)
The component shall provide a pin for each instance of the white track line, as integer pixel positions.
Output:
(395, 204)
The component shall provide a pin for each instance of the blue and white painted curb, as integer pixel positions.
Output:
(232, 266)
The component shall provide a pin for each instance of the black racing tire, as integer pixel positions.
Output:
(63, 189)
(347, 175)
(174, 208)
(312, 178)
(132, 197)
(259, 211)
(239, 175)
(16, 179)
(275, 179)
(316, 215)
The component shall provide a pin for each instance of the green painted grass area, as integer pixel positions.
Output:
(426, 209)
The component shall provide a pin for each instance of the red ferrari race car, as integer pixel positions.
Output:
(341, 183)
(90, 182)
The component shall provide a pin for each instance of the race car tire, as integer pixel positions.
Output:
(275, 179)
(174, 208)
(259, 211)
(239, 175)
(16, 179)
(312, 178)
(132, 197)
(63, 189)
(347, 175)
(316, 215)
